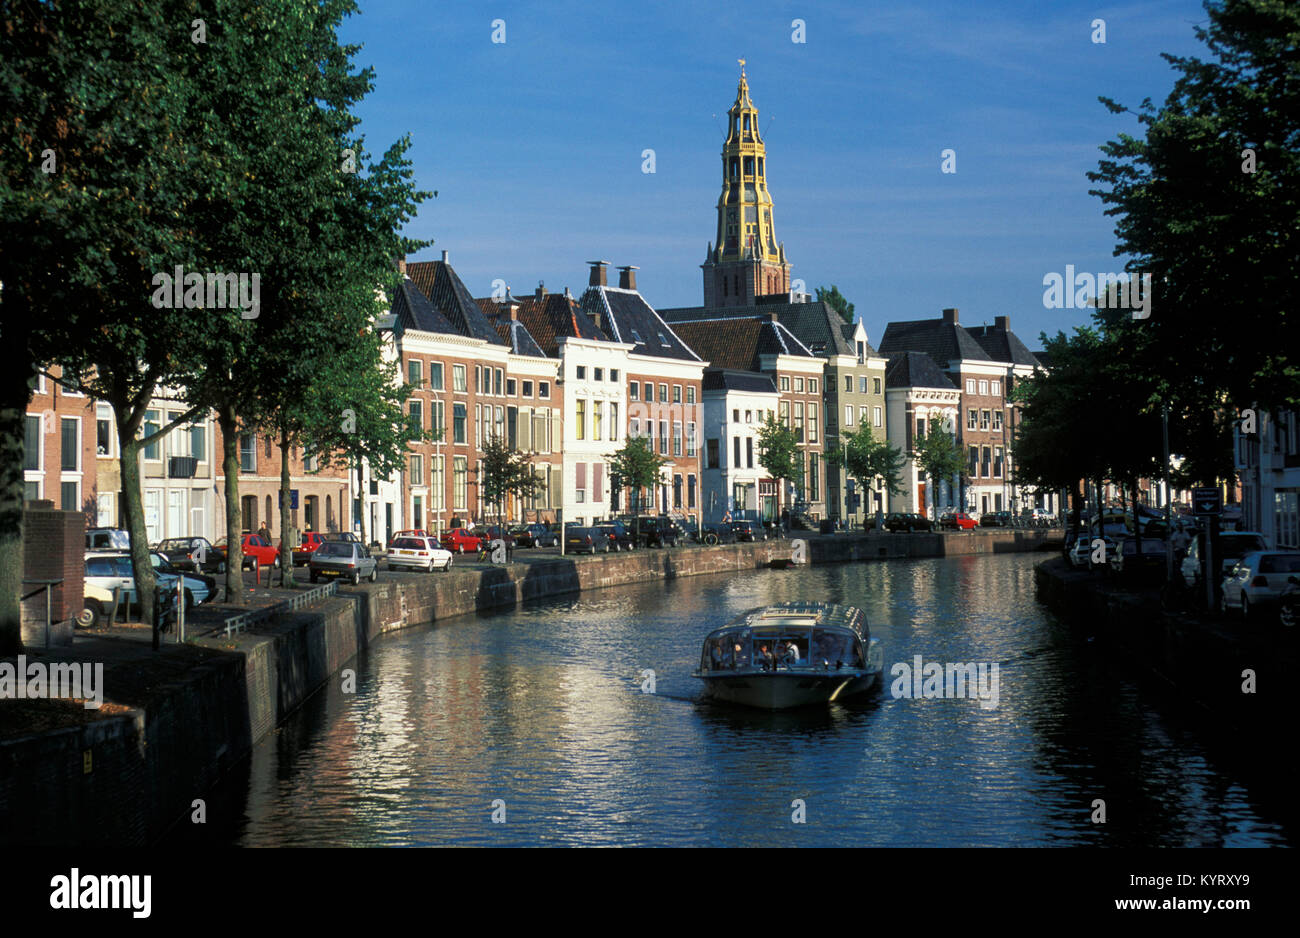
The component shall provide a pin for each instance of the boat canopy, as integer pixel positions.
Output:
(801, 614)
(796, 635)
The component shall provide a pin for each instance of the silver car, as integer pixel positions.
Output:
(343, 559)
(1232, 546)
(1258, 579)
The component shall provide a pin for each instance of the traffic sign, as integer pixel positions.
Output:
(1207, 501)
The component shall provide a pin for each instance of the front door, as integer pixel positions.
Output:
(920, 498)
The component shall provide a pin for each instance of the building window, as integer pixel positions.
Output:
(528, 388)
(598, 374)
(32, 443)
(848, 415)
(458, 378)
(997, 420)
(544, 389)
(785, 382)
(677, 437)
(613, 375)
(690, 394)
(812, 385)
(613, 421)
(635, 429)
(749, 453)
(435, 376)
(580, 372)
(997, 462)
(417, 415)
(459, 482)
(862, 353)
(784, 407)
(458, 415)
(875, 384)
(690, 491)
(735, 447)
(580, 481)
(417, 469)
(690, 438)
(972, 421)
(848, 384)
(478, 426)
(862, 384)
(814, 478)
(510, 387)
(478, 381)
(798, 421)
(677, 393)
(984, 461)
(414, 373)
(663, 437)
(199, 441)
(70, 448)
(103, 430)
(798, 385)
(68, 500)
(1286, 518)
(972, 460)
(875, 417)
(649, 395)
(711, 453)
(812, 423)
(498, 386)
(151, 425)
(984, 419)
(597, 417)
(634, 391)
(970, 385)
(247, 453)
(663, 394)
(995, 388)
(500, 431)
(984, 387)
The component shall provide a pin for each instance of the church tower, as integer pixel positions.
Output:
(747, 262)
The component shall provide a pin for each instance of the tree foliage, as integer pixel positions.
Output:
(637, 466)
(836, 301)
(867, 459)
(779, 453)
(505, 471)
(939, 456)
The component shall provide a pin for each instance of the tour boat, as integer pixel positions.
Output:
(791, 655)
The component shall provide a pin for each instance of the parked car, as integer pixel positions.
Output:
(110, 569)
(255, 547)
(343, 559)
(1288, 606)
(1041, 516)
(195, 554)
(493, 532)
(343, 536)
(1231, 547)
(536, 535)
(108, 539)
(957, 521)
(996, 519)
(419, 553)
(1257, 581)
(746, 530)
(579, 540)
(715, 533)
(96, 604)
(1154, 550)
(307, 543)
(460, 540)
(902, 521)
(1081, 551)
(620, 538)
(657, 531)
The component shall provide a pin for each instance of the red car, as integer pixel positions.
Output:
(310, 541)
(957, 520)
(459, 540)
(254, 547)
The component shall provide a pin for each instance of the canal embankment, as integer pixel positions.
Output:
(192, 710)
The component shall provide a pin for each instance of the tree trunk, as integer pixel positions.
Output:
(133, 513)
(1137, 520)
(17, 384)
(360, 504)
(286, 549)
(229, 425)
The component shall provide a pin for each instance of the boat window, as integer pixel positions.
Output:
(834, 648)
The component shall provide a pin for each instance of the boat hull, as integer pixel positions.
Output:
(784, 690)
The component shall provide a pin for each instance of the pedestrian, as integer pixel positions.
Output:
(264, 533)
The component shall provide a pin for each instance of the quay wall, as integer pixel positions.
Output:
(198, 709)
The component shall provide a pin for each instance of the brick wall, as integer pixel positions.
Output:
(54, 544)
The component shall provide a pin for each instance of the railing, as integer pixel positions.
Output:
(306, 598)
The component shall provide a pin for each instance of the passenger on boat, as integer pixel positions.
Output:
(715, 655)
(769, 659)
(791, 653)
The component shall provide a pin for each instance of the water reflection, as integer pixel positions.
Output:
(541, 708)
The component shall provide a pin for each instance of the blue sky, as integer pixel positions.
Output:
(534, 145)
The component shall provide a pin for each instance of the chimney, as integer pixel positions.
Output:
(401, 265)
(950, 315)
(540, 292)
(598, 273)
(1002, 323)
(627, 277)
(444, 257)
(511, 306)
(774, 317)
(567, 294)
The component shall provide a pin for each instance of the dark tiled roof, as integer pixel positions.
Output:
(518, 338)
(414, 311)
(739, 344)
(915, 370)
(816, 324)
(943, 341)
(445, 291)
(546, 319)
(1003, 345)
(634, 321)
(724, 379)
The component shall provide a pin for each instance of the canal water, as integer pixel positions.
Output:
(537, 716)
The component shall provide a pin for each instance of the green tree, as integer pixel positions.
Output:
(867, 459)
(636, 466)
(780, 456)
(505, 471)
(836, 301)
(939, 457)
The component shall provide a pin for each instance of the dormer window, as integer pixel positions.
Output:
(636, 336)
(662, 340)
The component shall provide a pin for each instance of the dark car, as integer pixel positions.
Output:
(536, 535)
(195, 554)
(716, 533)
(494, 532)
(903, 521)
(745, 530)
(620, 537)
(580, 540)
(995, 519)
(657, 531)
(343, 559)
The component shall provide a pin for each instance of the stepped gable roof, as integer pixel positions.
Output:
(815, 324)
(630, 319)
(438, 281)
(726, 379)
(414, 311)
(1003, 345)
(915, 370)
(739, 344)
(545, 319)
(942, 340)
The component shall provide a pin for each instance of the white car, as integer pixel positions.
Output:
(418, 553)
(1082, 549)
(1232, 546)
(1258, 580)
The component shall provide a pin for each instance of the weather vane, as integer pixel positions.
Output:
(742, 67)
